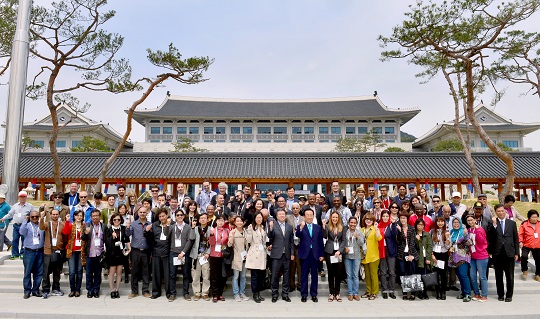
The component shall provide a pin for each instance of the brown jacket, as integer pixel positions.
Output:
(44, 225)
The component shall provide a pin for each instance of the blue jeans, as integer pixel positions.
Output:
(75, 271)
(462, 272)
(93, 274)
(15, 242)
(479, 266)
(33, 267)
(239, 290)
(352, 266)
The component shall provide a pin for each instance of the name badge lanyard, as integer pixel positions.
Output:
(35, 234)
(55, 238)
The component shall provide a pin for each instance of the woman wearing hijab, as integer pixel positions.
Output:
(460, 256)
(387, 254)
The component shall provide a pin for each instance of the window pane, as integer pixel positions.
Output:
(155, 130)
(193, 130)
(511, 143)
(61, 144)
(350, 130)
(377, 130)
(362, 130)
(248, 130)
(220, 130)
(297, 130)
(167, 130)
(388, 130)
(336, 130)
(309, 130)
(40, 143)
(323, 130)
(235, 130)
(280, 130)
(264, 130)
(208, 130)
(75, 143)
(181, 130)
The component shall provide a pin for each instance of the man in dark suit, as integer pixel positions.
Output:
(310, 252)
(282, 239)
(504, 246)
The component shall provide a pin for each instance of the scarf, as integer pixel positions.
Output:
(382, 227)
(456, 234)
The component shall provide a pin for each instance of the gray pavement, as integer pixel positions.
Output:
(12, 305)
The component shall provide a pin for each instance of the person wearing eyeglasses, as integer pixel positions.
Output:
(33, 254)
(75, 252)
(94, 235)
(84, 206)
(53, 259)
(117, 248)
(56, 204)
(18, 213)
(437, 210)
(179, 256)
(394, 213)
(154, 192)
(376, 210)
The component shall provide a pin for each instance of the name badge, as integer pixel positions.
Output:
(97, 242)
(20, 214)
(78, 242)
(406, 249)
(54, 241)
(177, 242)
(162, 237)
(35, 240)
(336, 245)
(243, 254)
(473, 249)
(267, 239)
(437, 249)
(351, 250)
(218, 248)
(261, 247)
(384, 242)
(535, 235)
(424, 252)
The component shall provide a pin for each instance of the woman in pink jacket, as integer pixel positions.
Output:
(479, 259)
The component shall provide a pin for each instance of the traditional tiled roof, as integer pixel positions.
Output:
(176, 107)
(279, 166)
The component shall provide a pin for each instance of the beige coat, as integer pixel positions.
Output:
(256, 258)
(239, 243)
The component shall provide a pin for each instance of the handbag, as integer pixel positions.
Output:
(429, 279)
(412, 283)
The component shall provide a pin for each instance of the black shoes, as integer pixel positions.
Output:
(115, 294)
(259, 295)
(501, 298)
(391, 295)
(304, 299)
(89, 295)
(26, 296)
(256, 298)
(385, 295)
(96, 294)
(508, 299)
(274, 299)
(37, 294)
(286, 298)
(314, 299)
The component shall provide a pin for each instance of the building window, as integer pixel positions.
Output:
(280, 130)
(296, 130)
(155, 130)
(472, 143)
(193, 130)
(220, 130)
(512, 144)
(350, 130)
(61, 144)
(389, 130)
(74, 144)
(167, 130)
(323, 130)
(40, 143)
(208, 130)
(483, 144)
(309, 130)
(377, 130)
(155, 141)
(181, 130)
(248, 130)
(264, 130)
(235, 130)
(362, 130)
(390, 141)
(336, 130)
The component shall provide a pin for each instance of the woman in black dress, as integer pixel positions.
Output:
(117, 249)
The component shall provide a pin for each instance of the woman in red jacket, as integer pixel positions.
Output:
(219, 237)
(529, 241)
(75, 252)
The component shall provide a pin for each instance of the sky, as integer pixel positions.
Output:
(276, 50)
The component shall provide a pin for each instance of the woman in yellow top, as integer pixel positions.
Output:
(371, 259)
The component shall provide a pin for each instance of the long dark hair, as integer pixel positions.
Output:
(254, 223)
(435, 230)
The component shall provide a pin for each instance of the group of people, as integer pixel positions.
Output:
(215, 236)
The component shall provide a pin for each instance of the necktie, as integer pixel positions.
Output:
(502, 226)
(282, 228)
(309, 229)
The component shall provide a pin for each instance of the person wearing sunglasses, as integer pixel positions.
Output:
(84, 206)
(394, 212)
(56, 204)
(33, 254)
(117, 248)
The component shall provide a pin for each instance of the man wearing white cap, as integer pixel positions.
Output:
(4, 210)
(456, 206)
(19, 213)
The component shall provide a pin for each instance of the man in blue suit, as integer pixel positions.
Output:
(310, 252)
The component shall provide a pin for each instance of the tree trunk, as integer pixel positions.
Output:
(54, 134)
(103, 174)
(504, 156)
(466, 145)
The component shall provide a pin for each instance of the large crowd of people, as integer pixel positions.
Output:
(293, 240)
